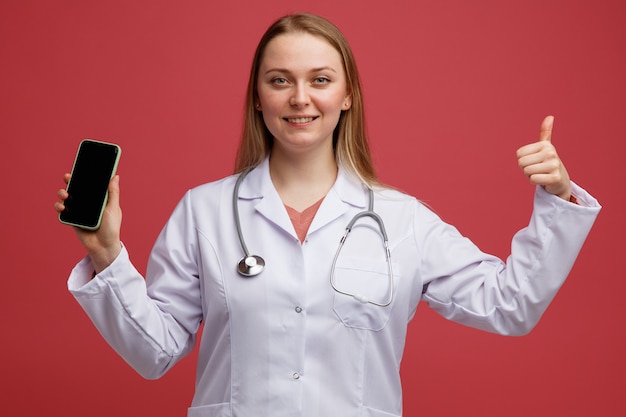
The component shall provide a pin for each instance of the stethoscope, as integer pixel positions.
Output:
(252, 265)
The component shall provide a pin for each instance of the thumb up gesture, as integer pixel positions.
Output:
(542, 165)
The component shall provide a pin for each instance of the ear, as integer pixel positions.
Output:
(257, 106)
(347, 103)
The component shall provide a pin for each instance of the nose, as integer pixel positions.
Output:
(300, 96)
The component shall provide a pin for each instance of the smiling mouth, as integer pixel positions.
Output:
(300, 119)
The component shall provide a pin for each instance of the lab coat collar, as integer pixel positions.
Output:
(347, 191)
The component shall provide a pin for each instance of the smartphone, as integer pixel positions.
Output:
(94, 166)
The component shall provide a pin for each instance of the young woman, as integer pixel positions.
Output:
(314, 327)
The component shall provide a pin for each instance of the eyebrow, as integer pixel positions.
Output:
(285, 70)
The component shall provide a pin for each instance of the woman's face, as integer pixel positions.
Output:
(302, 90)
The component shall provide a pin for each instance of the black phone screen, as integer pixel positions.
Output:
(94, 167)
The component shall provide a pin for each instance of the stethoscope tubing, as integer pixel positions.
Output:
(252, 265)
(372, 214)
(249, 265)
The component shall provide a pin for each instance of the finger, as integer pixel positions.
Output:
(529, 159)
(114, 191)
(546, 129)
(62, 194)
(538, 150)
(550, 167)
(545, 179)
(59, 207)
(67, 177)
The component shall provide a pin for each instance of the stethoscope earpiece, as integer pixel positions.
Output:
(251, 265)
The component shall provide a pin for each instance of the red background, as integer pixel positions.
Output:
(452, 89)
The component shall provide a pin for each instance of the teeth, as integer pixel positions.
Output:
(300, 120)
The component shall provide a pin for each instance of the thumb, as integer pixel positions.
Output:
(114, 191)
(546, 129)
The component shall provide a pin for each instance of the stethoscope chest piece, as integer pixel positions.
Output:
(251, 265)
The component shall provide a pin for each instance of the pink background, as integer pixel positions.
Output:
(452, 89)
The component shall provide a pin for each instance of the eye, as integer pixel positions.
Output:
(279, 81)
(321, 80)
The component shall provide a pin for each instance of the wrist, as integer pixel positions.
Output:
(104, 257)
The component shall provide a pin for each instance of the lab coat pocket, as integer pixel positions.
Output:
(213, 410)
(371, 412)
(360, 284)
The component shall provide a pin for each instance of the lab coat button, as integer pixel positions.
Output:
(298, 309)
(296, 376)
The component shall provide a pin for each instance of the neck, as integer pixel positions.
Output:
(302, 180)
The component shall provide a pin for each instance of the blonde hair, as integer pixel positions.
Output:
(349, 138)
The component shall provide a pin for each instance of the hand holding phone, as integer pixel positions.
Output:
(94, 166)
